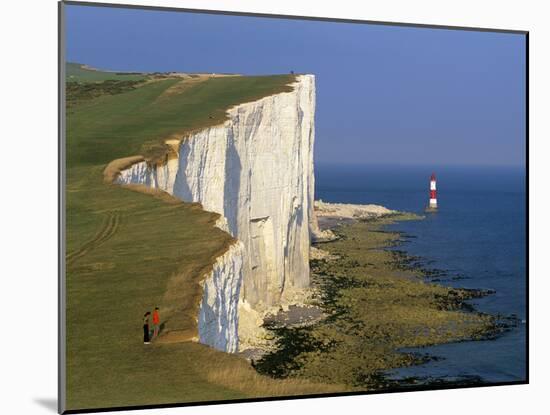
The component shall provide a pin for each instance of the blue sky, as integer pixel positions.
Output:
(385, 94)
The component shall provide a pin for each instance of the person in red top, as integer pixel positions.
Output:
(156, 322)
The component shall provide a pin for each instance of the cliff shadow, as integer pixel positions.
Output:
(233, 168)
(181, 186)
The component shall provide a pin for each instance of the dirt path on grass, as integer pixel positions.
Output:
(188, 81)
(108, 228)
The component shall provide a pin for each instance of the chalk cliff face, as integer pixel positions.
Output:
(218, 314)
(256, 170)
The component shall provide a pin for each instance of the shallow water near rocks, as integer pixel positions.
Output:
(476, 240)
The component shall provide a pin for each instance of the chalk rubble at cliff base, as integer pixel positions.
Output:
(345, 210)
(327, 215)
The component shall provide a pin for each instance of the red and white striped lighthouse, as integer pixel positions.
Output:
(433, 193)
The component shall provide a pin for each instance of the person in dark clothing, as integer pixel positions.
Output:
(146, 338)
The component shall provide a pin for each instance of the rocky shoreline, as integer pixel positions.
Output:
(370, 303)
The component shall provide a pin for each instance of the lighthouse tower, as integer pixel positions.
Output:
(432, 206)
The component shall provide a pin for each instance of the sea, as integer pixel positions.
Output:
(477, 239)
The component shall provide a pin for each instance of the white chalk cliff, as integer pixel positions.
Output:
(256, 170)
(218, 313)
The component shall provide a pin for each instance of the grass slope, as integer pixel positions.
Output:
(77, 72)
(128, 252)
(137, 122)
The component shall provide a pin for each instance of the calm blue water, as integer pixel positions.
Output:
(478, 235)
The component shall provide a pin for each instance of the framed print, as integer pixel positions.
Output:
(259, 207)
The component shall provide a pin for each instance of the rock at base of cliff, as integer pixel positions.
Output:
(254, 339)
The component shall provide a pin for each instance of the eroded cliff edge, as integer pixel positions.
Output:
(256, 170)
